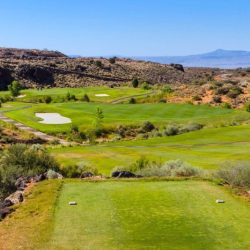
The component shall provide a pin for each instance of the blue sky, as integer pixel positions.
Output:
(126, 27)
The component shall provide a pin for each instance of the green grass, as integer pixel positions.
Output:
(57, 93)
(208, 149)
(149, 215)
(140, 214)
(83, 114)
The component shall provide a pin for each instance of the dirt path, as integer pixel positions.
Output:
(37, 133)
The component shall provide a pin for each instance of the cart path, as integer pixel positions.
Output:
(37, 133)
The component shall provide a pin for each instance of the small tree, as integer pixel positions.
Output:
(85, 98)
(99, 118)
(112, 60)
(135, 83)
(15, 88)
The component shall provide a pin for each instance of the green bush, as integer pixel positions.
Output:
(146, 86)
(85, 98)
(217, 99)
(135, 83)
(132, 101)
(15, 88)
(22, 160)
(236, 176)
(248, 107)
(167, 89)
(47, 99)
(75, 171)
(172, 130)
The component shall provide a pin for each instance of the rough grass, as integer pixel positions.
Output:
(83, 114)
(149, 215)
(208, 149)
(30, 226)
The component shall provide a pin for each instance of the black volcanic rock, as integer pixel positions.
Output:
(5, 78)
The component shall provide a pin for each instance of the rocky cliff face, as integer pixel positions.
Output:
(40, 68)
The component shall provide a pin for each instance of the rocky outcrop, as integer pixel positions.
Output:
(5, 78)
(123, 174)
(15, 198)
(47, 68)
(35, 74)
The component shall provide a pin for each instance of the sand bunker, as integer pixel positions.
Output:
(101, 95)
(52, 118)
(21, 96)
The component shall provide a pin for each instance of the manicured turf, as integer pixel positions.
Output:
(83, 114)
(208, 148)
(149, 215)
(58, 93)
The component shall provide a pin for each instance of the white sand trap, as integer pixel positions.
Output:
(52, 118)
(21, 96)
(101, 95)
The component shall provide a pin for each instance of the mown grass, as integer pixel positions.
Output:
(83, 115)
(149, 215)
(30, 226)
(58, 93)
(208, 149)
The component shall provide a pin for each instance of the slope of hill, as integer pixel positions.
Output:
(227, 59)
(36, 68)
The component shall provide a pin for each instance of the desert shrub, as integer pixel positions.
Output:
(234, 92)
(175, 168)
(148, 127)
(70, 97)
(99, 64)
(22, 160)
(191, 127)
(167, 89)
(217, 99)
(146, 86)
(75, 171)
(248, 107)
(236, 176)
(171, 130)
(222, 91)
(47, 99)
(226, 105)
(85, 98)
(135, 83)
(162, 101)
(197, 98)
(132, 100)
(15, 88)
(112, 60)
(139, 164)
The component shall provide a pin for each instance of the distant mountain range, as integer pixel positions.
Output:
(225, 59)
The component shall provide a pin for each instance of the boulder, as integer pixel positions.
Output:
(123, 174)
(38, 178)
(20, 184)
(177, 67)
(4, 212)
(51, 174)
(14, 198)
(87, 175)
